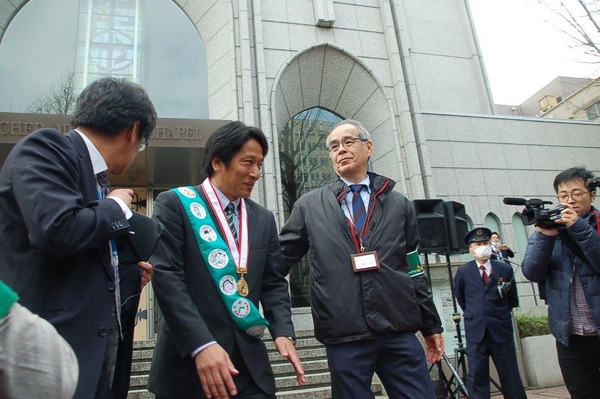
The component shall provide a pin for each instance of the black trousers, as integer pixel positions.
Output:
(580, 366)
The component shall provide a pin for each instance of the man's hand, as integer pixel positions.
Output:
(147, 271)
(568, 216)
(434, 349)
(215, 370)
(125, 194)
(288, 351)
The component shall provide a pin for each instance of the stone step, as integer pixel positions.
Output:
(303, 354)
(311, 351)
(310, 366)
(300, 393)
(316, 373)
(139, 394)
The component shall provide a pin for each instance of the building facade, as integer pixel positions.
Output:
(411, 71)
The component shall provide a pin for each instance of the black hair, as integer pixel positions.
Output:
(575, 173)
(494, 232)
(227, 141)
(109, 105)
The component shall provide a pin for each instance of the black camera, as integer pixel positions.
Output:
(536, 213)
(593, 183)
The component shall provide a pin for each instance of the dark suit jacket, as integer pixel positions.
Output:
(54, 242)
(483, 307)
(193, 311)
(504, 254)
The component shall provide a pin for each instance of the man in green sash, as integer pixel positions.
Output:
(217, 263)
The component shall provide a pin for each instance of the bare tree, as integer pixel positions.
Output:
(581, 22)
(60, 99)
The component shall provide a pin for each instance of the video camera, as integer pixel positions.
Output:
(593, 183)
(536, 213)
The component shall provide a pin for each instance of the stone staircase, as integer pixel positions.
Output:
(311, 352)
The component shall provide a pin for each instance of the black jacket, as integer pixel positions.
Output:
(348, 306)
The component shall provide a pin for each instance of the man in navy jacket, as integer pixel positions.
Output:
(567, 260)
(481, 290)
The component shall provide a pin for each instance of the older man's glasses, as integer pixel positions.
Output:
(346, 142)
(576, 195)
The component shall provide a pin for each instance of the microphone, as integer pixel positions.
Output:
(514, 201)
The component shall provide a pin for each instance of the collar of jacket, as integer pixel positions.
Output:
(380, 185)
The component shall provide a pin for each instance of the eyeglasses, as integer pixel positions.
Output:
(347, 142)
(143, 145)
(577, 195)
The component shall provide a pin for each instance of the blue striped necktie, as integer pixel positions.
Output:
(359, 212)
(102, 179)
(230, 213)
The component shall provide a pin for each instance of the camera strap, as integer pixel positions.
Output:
(572, 245)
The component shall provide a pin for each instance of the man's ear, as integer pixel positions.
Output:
(217, 164)
(132, 132)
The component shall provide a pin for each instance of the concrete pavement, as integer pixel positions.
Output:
(559, 392)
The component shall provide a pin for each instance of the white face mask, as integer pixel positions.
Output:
(482, 252)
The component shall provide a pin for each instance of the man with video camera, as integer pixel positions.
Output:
(567, 259)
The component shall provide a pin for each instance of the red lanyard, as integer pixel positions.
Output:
(597, 221)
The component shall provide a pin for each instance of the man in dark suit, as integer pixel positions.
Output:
(500, 251)
(480, 287)
(217, 260)
(62, 234)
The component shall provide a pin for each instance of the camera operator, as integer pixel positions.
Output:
(567, 259)
(500, 251)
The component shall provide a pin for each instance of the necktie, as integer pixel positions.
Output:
(358, 207)
(484, 275)
(229, 212)
(102, 179)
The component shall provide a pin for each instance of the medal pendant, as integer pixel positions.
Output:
(242, 286)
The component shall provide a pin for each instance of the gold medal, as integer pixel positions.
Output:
(242, 286)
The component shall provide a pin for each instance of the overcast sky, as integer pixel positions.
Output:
(522, 50)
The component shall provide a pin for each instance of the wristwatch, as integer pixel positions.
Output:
(292, 339)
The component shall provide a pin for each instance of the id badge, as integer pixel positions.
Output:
(364, 261)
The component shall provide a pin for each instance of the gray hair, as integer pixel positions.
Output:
(363, 133)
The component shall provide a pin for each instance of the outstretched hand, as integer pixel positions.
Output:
(434, 349)
(288, 351)
(215, 370)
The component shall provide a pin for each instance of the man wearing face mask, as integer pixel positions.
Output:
(488, 325)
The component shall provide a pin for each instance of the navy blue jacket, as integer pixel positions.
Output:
(548, 259)
(482, 306)
(54, 242)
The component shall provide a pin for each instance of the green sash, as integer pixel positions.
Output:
(220, 263)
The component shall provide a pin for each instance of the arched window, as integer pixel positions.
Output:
(521, 236)
(492, 223)
(53, 48)
(305, 164)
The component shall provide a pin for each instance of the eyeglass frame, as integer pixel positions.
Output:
(143, 145)
(576, 196)
(344, 141)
